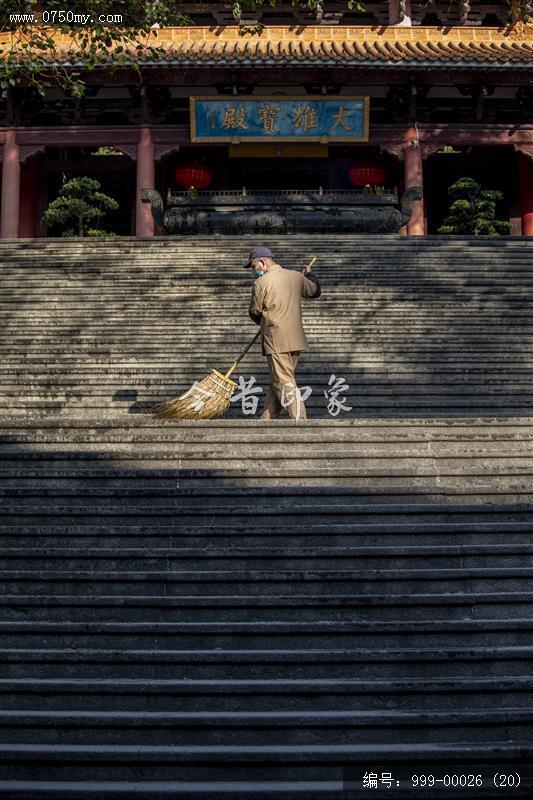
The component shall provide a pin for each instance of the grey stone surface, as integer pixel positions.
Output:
(236, 609)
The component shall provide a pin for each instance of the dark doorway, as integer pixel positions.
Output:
(492, 167)
(327, 169)
(114, 172)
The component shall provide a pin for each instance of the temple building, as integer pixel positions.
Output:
(408, 95)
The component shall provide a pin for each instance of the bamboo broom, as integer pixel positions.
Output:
(206, 399)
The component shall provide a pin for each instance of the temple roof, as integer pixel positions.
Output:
(332, 45)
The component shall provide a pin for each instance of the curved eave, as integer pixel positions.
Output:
(273, 62)
(249, 62)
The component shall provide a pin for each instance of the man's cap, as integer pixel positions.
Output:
(258, 252)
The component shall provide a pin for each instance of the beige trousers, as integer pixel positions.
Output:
(283, 391)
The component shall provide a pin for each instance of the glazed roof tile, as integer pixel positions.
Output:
(338, 45)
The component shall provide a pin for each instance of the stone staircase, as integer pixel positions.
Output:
(244, 609)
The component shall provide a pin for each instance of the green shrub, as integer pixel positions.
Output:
(81, 202)
(473, 211)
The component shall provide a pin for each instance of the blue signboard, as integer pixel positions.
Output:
(309, 118)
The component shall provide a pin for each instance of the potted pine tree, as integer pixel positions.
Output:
(80, 203)
(473, 210)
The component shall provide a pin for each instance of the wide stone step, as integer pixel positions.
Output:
(178, 583)
(508, 488)
(166, 284)
(490, 288)
(457, 374)
(419, 303)
(393, 531)
(121, 263)
(320, 335)
(467, 424)
(329, 361)
(470, 318)
(270, 558)
(218, 247)
(341, 475)
(28, 328)
(168, 309)
(115, 265)
(238, 608)
(108, 416)
(500, 478)
(107, 408)
(263, 529)
(428, 333)
(499, 291)
(310, 771)
(383, 358)
(354, 455)
(142, 266)
(261, 728)
(145, 272)
(267, 634)
(372, 663)
(175, 379)
(321, 535)
(145, 429)
(163, 381)
(240, 516)
(191, 451)
(249, 695)
(189, 790)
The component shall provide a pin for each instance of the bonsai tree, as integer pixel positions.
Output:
(80, 202)
(473, 211)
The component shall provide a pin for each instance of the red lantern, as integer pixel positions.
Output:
(367, 173)
(193, 176)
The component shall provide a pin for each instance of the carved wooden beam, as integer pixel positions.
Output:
(29, 150)
(168, 138)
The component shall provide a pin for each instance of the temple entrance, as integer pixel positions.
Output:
(280, 188)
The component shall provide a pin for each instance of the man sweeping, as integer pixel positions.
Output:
(276, 307)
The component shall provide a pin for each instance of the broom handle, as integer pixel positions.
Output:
(241, 355)
(257, 335)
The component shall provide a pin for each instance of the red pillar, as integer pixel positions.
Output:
(9, 220)
(144, 223)
(28, 199)
(414, 177)
(525, 183)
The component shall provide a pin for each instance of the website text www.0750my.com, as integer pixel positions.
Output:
(56, 17)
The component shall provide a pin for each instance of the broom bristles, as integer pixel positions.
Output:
(206, 399)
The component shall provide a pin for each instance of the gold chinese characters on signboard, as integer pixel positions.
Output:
(311, 118)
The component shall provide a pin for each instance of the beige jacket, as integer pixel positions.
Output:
(276, 299)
